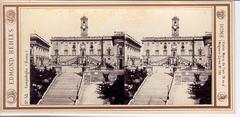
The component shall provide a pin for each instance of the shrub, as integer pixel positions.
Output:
(39, 81)
(123, 88)
(202, 92)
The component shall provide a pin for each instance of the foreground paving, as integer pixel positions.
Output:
(63, 89)
(90, 95)
(154, 89)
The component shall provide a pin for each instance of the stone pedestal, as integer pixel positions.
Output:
(149, 68)
(103, 68)
(58, 69)
(194, 67)
(87, 78)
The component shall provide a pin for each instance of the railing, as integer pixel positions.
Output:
(160, 62)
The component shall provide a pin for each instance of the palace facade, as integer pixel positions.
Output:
(39, 51)
(119, 50)
(183, 49)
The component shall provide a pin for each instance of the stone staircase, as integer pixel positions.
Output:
(160, 62)
(92, 61)
(72, 61)
(182, 60)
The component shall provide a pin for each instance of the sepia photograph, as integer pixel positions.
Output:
(115, 56)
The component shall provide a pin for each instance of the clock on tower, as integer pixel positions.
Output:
(175, 26)
(84, 26)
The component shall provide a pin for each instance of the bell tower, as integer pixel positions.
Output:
(175, 26)
(84, 26)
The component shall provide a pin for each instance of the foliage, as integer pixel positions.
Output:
(202, 92)
(39, 80)
(133, 79)
(123, 88)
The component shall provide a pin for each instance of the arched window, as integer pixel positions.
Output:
(182, 47)
(190, 52)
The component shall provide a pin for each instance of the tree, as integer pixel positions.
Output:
(39, 82)
(205, 92)
(123, 88)
(202, 92)
(117, 91)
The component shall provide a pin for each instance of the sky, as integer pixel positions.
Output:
(138, 21)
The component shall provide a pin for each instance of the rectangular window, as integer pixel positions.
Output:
(190, 52)
(91, 52)
(147, 43)
(147, 52)
(73, 52)
(156, 52)
(65, 52)
(165, 52)
(182, 52)
(99, 51)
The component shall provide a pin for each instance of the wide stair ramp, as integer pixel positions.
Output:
(71, 61)
(160, 62)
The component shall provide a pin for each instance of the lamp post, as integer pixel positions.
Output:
(169, 89)
(83, 57)
(76, 101)
(102, 62)
(193, 55)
